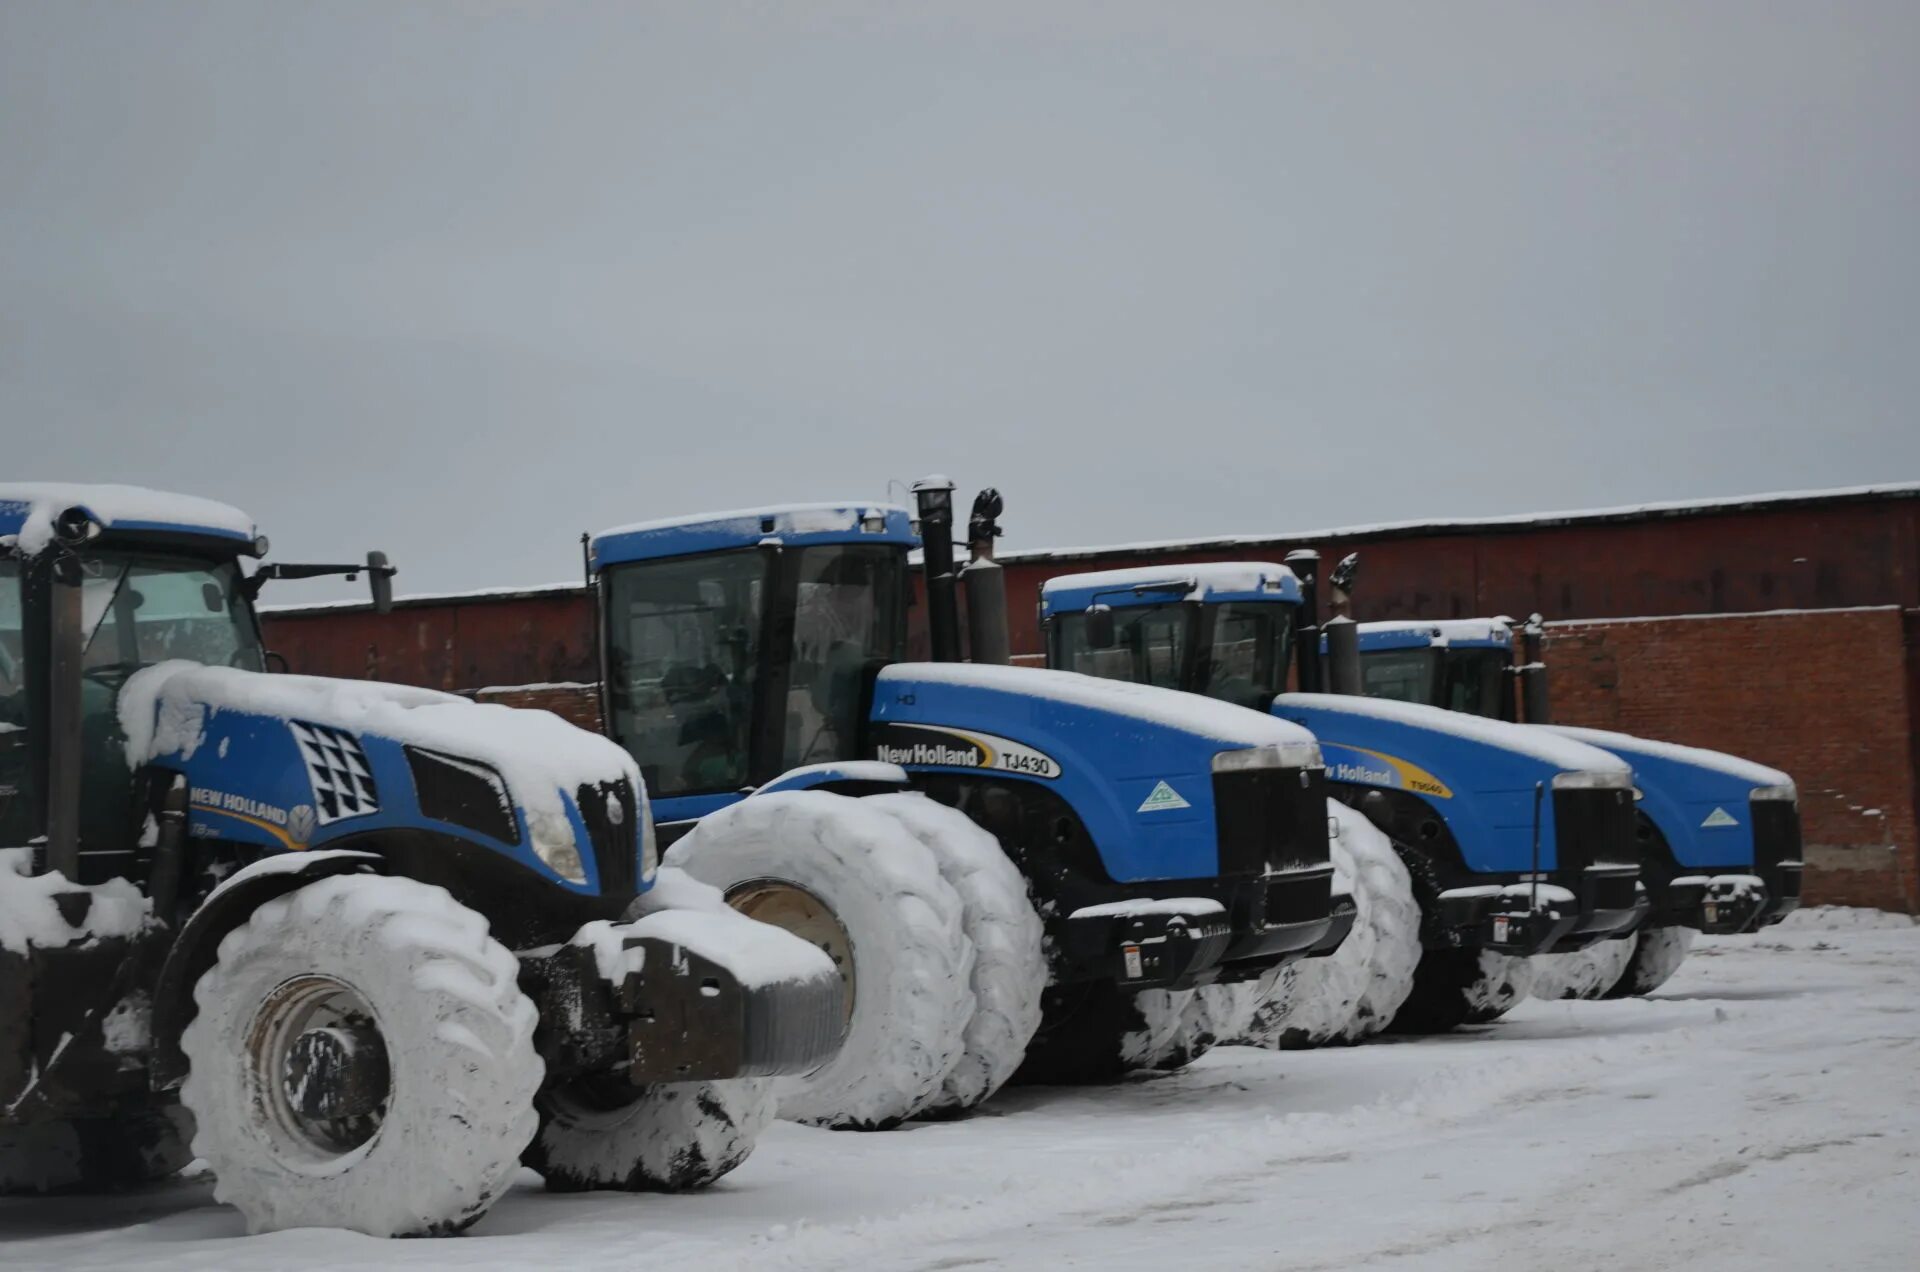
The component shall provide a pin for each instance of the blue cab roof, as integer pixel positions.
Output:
(1452, 633)
(1213, 582)
(27, 511)
(792, 525)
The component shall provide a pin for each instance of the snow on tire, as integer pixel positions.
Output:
(1587, 973)
(853, 880)
(95, 1154)
(1354, 992)
(362, 967)
(1656, 957)
(674, 1137)
(1009, 963)
(1212, 1016)
(1454, 987)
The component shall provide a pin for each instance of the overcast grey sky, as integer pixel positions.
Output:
(461, 280)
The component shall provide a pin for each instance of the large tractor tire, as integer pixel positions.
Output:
(1212, 1016)
(1455, 987)
(1589, 973)
(362, 1058)
(1009, 960)
(95, 1154)
(1656, 957)
(855, 882)
(1354, 992)
(1098, 1032)
(605, 1133)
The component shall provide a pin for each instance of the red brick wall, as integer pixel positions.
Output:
(1825, 696)
(577, 704)
(1766, 557)
(456, 644)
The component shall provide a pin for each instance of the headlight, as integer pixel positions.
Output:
(1785, 794)
(553, 843)
(1299, 755)
(1594, 780)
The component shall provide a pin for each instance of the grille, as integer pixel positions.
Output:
(462, 792)
(616, 840)
(1271, 818)
(1594, 827)
(1776, 838)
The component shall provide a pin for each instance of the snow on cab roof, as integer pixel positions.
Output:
(1203, 580)
(1444, 631)
(27, 510)
(851, 520)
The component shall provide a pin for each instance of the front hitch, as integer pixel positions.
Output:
(680, 1003)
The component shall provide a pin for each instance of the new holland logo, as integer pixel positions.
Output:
(1162, 798)
(1720, 817)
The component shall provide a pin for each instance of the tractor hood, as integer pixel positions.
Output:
(296, 762)
(1479, 774)
(1699, 799)
(1136, 762)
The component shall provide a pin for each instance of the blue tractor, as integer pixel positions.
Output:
(1515, 842)
(1719, 836)
(364, 949)
(1015, 870)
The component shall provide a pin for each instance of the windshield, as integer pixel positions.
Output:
(1403, 675)
(1149, 645)
(16, 815)
(849, 614)
(137, 610)
(682, 661)
(1476, 683)
(1248, 665)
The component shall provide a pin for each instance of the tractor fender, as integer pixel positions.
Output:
(198, 944)
(846, 777)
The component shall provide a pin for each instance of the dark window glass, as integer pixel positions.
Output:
(1249, 656)
(1476, 682)
(848, 616)
(1404, 675)
(682, 663)
(16, 802)
(1149, 645)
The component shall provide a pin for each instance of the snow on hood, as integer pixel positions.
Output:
(1714, 761)
(163, 711)
(1171, 708)
(27, 509)
(28, 915)
(1565, 754)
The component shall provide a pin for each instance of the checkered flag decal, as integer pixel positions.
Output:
(342, 782)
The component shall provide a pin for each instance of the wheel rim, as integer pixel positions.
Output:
(792, 908)
(318, 1065)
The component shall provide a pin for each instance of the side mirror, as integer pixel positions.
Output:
(1100, 627)
(380, 581)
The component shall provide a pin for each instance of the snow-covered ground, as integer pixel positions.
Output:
(1762, 1111)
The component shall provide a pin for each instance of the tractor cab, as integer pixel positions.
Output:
(1223, 630)
(97, 582)
(742, 645)
(1459, 665)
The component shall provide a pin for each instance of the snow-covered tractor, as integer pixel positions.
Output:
(1503, 841)
(1016, 871)
(364, 949)
(1719, 835)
